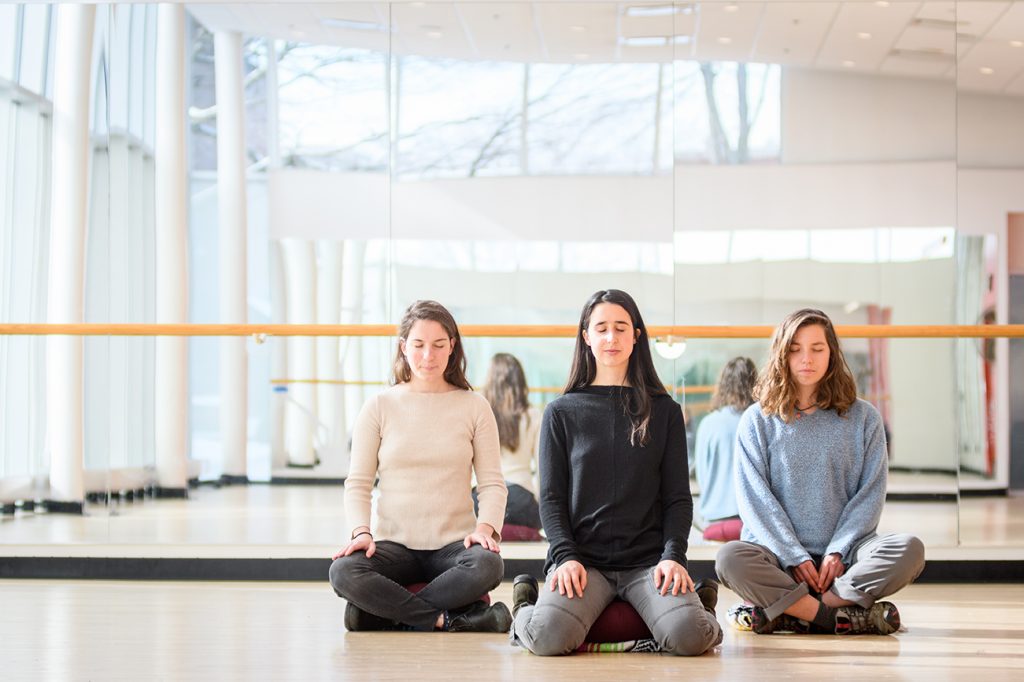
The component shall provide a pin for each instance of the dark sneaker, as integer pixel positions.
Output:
(882, 618)
(762, 625)
(707, 592)
(524, 591)
(358, 620)
(479, 617)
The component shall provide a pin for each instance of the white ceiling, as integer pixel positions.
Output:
(979, 41)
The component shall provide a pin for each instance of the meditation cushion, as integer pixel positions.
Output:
(724, 531)
(619, 622)
(514, 533)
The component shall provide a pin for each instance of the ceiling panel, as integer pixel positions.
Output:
(791, 32)
(905, 37)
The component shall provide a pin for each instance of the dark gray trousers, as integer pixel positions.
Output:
(456, 577)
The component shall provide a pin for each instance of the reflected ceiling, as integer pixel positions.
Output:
(897, 38)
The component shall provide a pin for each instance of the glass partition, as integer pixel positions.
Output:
(724, 162)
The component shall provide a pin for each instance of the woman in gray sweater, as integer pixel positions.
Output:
(811, 468)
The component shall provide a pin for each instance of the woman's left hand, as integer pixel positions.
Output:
(671, 573)
(483, 536)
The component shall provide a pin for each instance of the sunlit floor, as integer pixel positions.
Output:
(313, 516)
(293, 631)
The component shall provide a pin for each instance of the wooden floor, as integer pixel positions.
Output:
(293, 631)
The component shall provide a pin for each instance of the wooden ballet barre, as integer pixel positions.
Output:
(260, 331)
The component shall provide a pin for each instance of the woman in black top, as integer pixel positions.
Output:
(614, 497)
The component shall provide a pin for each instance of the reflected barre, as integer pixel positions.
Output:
(863, 331)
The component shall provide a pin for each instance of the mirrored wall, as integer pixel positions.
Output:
(724, 162)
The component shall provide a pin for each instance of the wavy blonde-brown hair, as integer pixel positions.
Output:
(735, 387)
(777, 391)
(508, 394)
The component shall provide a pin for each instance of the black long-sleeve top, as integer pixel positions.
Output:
(605, 503)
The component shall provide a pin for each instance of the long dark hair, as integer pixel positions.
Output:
(455, 371)
(735, 386)
(507, 393)
(640, 373)
(776, 390)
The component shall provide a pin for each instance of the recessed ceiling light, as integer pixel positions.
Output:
(418, 4)
(864, 35)
(1017, 43)
(849, 63)
(644, 41)
(987, 70)
(652, 10)
(352, 25)
(581, 56)
(882, 3)
(434, 34)
(731, 8)
(578, 29)
(724, 40)
(681, 40)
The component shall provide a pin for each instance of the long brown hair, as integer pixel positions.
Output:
(776, 390)
(507, 393)
(640, 373)
(455, 372)
(735, 387)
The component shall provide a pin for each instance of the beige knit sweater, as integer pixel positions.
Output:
(425, 447)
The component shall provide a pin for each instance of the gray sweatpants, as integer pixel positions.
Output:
(881, 565)
(558, 625)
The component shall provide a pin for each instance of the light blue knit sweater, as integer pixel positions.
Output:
(813, 486)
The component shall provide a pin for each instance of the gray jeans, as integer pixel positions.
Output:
(558, 625)
(457, 576)
(881, 565)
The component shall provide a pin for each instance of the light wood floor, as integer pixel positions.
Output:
(293, 631)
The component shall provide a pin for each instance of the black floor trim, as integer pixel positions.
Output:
(170, 493)
(114, 568)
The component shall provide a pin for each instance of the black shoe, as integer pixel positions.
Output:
(524, 591)
(707, 592)
(357, 620)
(480, 617)
(882, 618)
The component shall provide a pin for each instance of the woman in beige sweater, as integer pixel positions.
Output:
(424, 438)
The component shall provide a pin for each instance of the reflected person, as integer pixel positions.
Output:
(518, 433)
(716, 438)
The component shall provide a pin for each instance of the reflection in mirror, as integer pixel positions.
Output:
(990, 155)
(725, 163)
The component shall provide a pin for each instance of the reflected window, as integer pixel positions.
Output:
(8, 40)
(727, 112)
(333, 107)
(35, 41)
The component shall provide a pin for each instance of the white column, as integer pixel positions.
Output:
(278, 358)
(301, 417)
(231, 213)
(171, 250)
(66, 276)
(352, 297)
(330, 399)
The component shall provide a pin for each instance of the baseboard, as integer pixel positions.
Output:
(307, 569)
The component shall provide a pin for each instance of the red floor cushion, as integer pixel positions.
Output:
(619, 622)
(513, 533)
(724, 531)
(416, 587)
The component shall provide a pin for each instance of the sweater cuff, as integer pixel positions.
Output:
(792, 560)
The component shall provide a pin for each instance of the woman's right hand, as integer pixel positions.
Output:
(363, 541)
(569, 578)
